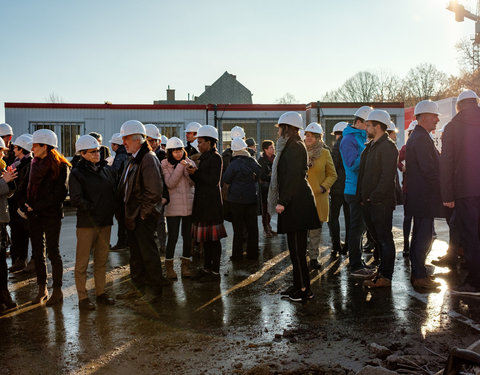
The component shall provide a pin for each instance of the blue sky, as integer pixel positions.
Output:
(130, 51)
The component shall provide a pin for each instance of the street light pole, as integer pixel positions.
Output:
(461, 13)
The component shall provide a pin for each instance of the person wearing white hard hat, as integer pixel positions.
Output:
(460, 184)
(104, 150)
(291, 197)
(423, 199)
(18, 225)
(321, 177)
(351, 147)
(179, 210)
(236, 132)
(6, 133)
(337, 198)
(407, 219)
(190, 135)
(7, 187)
(92, 187)
(241, 178)
(266, 161)
(392, 131)
(119, 162)
(207, 216)
(154, 139)
(376, 191)
(46, 191)
(141, 189)
(164, 142)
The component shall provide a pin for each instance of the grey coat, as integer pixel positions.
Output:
(5, 192)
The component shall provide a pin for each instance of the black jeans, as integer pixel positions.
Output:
(3, 258)
(357, 227)
(212, 254)
(173, 224)
(378, 219)
(297, 246)
(422, 238)
(467, 211)
(407, 227)
(162, 230)
(46, 230)
(121, 231)
(337, 201)
(244, 216)
(145, 264)
(20, 237)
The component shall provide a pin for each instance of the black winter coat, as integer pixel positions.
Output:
(120, 160)
(20, 196)
(294, 191)
(423, 176)
(92, 192)
(339, 186)
(378, 172)
(190, 150)
(242, 176)
(460, 161)
(207, 202)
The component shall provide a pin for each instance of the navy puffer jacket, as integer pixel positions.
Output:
(242, 176)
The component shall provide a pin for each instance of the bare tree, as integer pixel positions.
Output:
(390, 88)
(468, 55)
(54, 98)
(288, 98)
(425, 81)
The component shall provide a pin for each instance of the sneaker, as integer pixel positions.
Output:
(314, 264)
(363, 273)
(466, 289)
(287, 292)
(309, 294)
(378, 282)
(298, 296)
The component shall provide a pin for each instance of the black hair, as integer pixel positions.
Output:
(382, 125)
(170, 157)
(266, 144)
(213, 141)
(95, 135)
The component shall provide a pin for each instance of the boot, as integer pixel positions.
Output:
(57, 297)
(42, 294)
(186, 271)
(171, 274)
(19, 265)
(7, 300)
(271, 230)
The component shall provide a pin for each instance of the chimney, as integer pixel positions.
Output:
(170, 94)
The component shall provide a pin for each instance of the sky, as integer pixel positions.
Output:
(131, 51)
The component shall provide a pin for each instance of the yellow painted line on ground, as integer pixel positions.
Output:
(342, 265)
(93, 366)
(250, 279)
(71, 291)
(324, 271)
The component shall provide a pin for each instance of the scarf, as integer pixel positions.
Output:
(241, 153)
(314, 152)
(272, 199)
(39, 171)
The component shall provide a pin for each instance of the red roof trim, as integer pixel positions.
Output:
(355, 105)
(104, 106)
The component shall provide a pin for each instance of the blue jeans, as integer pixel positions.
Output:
(467, 211)
(357, 227)
(378, 219)
(422, 238)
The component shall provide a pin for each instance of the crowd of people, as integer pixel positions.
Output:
(154, 186)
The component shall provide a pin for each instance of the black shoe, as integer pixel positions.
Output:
(19, 265)
(6, 299)
(105, 299)
(300, 296)
(211, 276)
(445, 261)
(86, 305)
(344, 249)
(287, 292)
(309, 294)
(467, 290)
(315, 265)
(118, 247)
(368, 247)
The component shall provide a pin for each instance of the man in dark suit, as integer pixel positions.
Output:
(423, 200)
(460, 182)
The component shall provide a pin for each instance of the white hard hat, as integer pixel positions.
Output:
(117, 139)
(314, 127)
(86, 142)
(426, 106)
(193, 127)
(164, 140)
(174, 142)
(207, 131)
(24, 141)
(412, 125)
(237, 132)
(339, 127)
(45, 137)
(132, 127)
(363, 112)
(379, 115)
(392, 128)
(152, 131)
(5, 129)
(467, 94)
(2, 145)
(238, 144)
(291, 118)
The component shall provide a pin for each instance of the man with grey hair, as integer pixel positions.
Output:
(141, 190)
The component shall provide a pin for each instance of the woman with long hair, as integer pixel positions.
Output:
(291, 197)
(207, 220)
(179, 209)
(46, 191)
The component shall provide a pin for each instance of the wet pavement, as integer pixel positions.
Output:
(240, 324)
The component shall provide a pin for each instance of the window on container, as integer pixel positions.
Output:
(67, 134)
(167, 129)
(250, 127)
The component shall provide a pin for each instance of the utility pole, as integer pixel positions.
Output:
(461, 13)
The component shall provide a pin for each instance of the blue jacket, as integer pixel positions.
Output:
(351, 147)
(242, 174)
